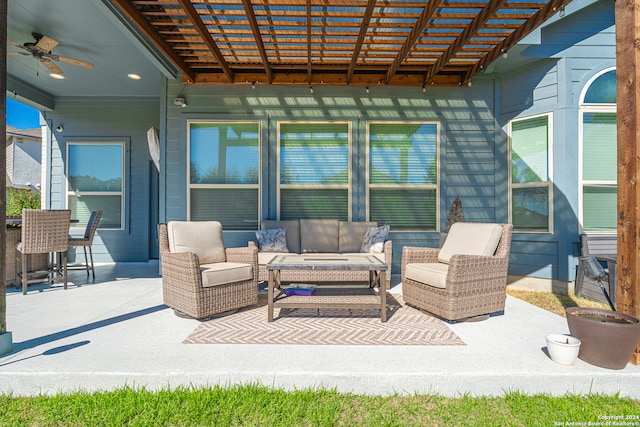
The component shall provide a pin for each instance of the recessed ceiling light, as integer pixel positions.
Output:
(134, 76)
(56, 76)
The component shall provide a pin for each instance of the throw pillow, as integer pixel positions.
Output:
(272, 240)
(374, 239)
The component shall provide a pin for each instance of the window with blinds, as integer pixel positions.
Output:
(530, 184)
(402, 183)
(313, 170)
(599, 171)
(598, 193)
(224, 171)
(95, 181)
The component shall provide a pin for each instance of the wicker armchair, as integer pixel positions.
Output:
(43, 232)
(86, 241)
(466, 278)
(200, 277)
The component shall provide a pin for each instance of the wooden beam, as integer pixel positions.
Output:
(309, 61)
(248, 7)
(538, 18)
(485, 14)
(627, 16)
(195, 19)
(426, 14)
(3, 165)
(140, 21)
(364, 25)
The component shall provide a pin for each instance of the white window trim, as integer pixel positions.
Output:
(224, 186)
(590, 108)
(435, 186)
(121, 193)
(548, 183)
(347, 186)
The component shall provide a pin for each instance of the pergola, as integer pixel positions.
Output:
(375, 42)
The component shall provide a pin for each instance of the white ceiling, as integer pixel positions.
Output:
(86, 30)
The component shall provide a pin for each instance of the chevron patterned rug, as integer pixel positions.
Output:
(405, 326)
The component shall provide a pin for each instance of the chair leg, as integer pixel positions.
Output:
(86, 259)
(25, 273)
(64, 268)
(93, 271)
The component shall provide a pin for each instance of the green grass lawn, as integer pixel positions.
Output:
(253, 405)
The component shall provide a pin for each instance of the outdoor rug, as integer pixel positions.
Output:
(405, 326)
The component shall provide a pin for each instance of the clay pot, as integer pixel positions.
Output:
(608, 338)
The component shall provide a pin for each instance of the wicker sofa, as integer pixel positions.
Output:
(322, 236)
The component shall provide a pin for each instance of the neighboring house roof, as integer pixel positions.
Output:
(23, 154)
(35, 133)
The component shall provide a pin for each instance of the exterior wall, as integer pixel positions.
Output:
(571, 52)
(117, 119)
(25, 162)
(469, 144)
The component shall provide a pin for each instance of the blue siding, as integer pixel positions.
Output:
(117, 119)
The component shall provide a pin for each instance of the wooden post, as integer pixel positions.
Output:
(3, 164)
(627, 15)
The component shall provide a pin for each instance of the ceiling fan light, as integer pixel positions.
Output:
(56, 76)
(134, 76)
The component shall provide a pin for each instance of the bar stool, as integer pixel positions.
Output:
(87, 241)
(43, 232)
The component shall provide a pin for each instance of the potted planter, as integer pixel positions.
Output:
(563, 349)
(608, 338)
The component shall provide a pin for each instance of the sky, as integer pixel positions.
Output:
(22, 116)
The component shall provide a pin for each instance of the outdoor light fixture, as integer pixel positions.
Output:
(424, 89)
(181, 102)
(505, 55)
(594, 271)
(561, 11)
(133, 76)
(60, 128)
(310, 89)
(367, 89)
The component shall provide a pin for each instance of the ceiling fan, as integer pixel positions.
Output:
(41, 50)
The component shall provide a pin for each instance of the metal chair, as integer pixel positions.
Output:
(43, 232)
(86, 241)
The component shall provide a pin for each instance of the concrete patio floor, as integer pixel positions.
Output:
(117, 332)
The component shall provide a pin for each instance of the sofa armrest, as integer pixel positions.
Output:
(411, 254)
(246, 255)
(181, 270)
(470, 273)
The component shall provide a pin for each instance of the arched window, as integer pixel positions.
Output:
(598, 154)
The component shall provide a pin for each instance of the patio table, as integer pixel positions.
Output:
(328, 262)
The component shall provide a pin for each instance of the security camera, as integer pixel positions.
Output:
(59, 128)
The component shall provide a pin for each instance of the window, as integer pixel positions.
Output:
(313, 171)
(598, 154)
(95, 181)
(530, 185)
(224, 170)
(403, 175)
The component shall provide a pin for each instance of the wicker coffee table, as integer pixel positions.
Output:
(332, 264)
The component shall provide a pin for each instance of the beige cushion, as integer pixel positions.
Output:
(221, 273)
(292, 228)
(434, 274)
(265, 257)
(468, 238)
(203, 238)
(351, 234)
(319, 235)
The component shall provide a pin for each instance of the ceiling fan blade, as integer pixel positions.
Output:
(46, 43)
(51, 66)
(17, 53)
(16, 44)
(73, 61)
